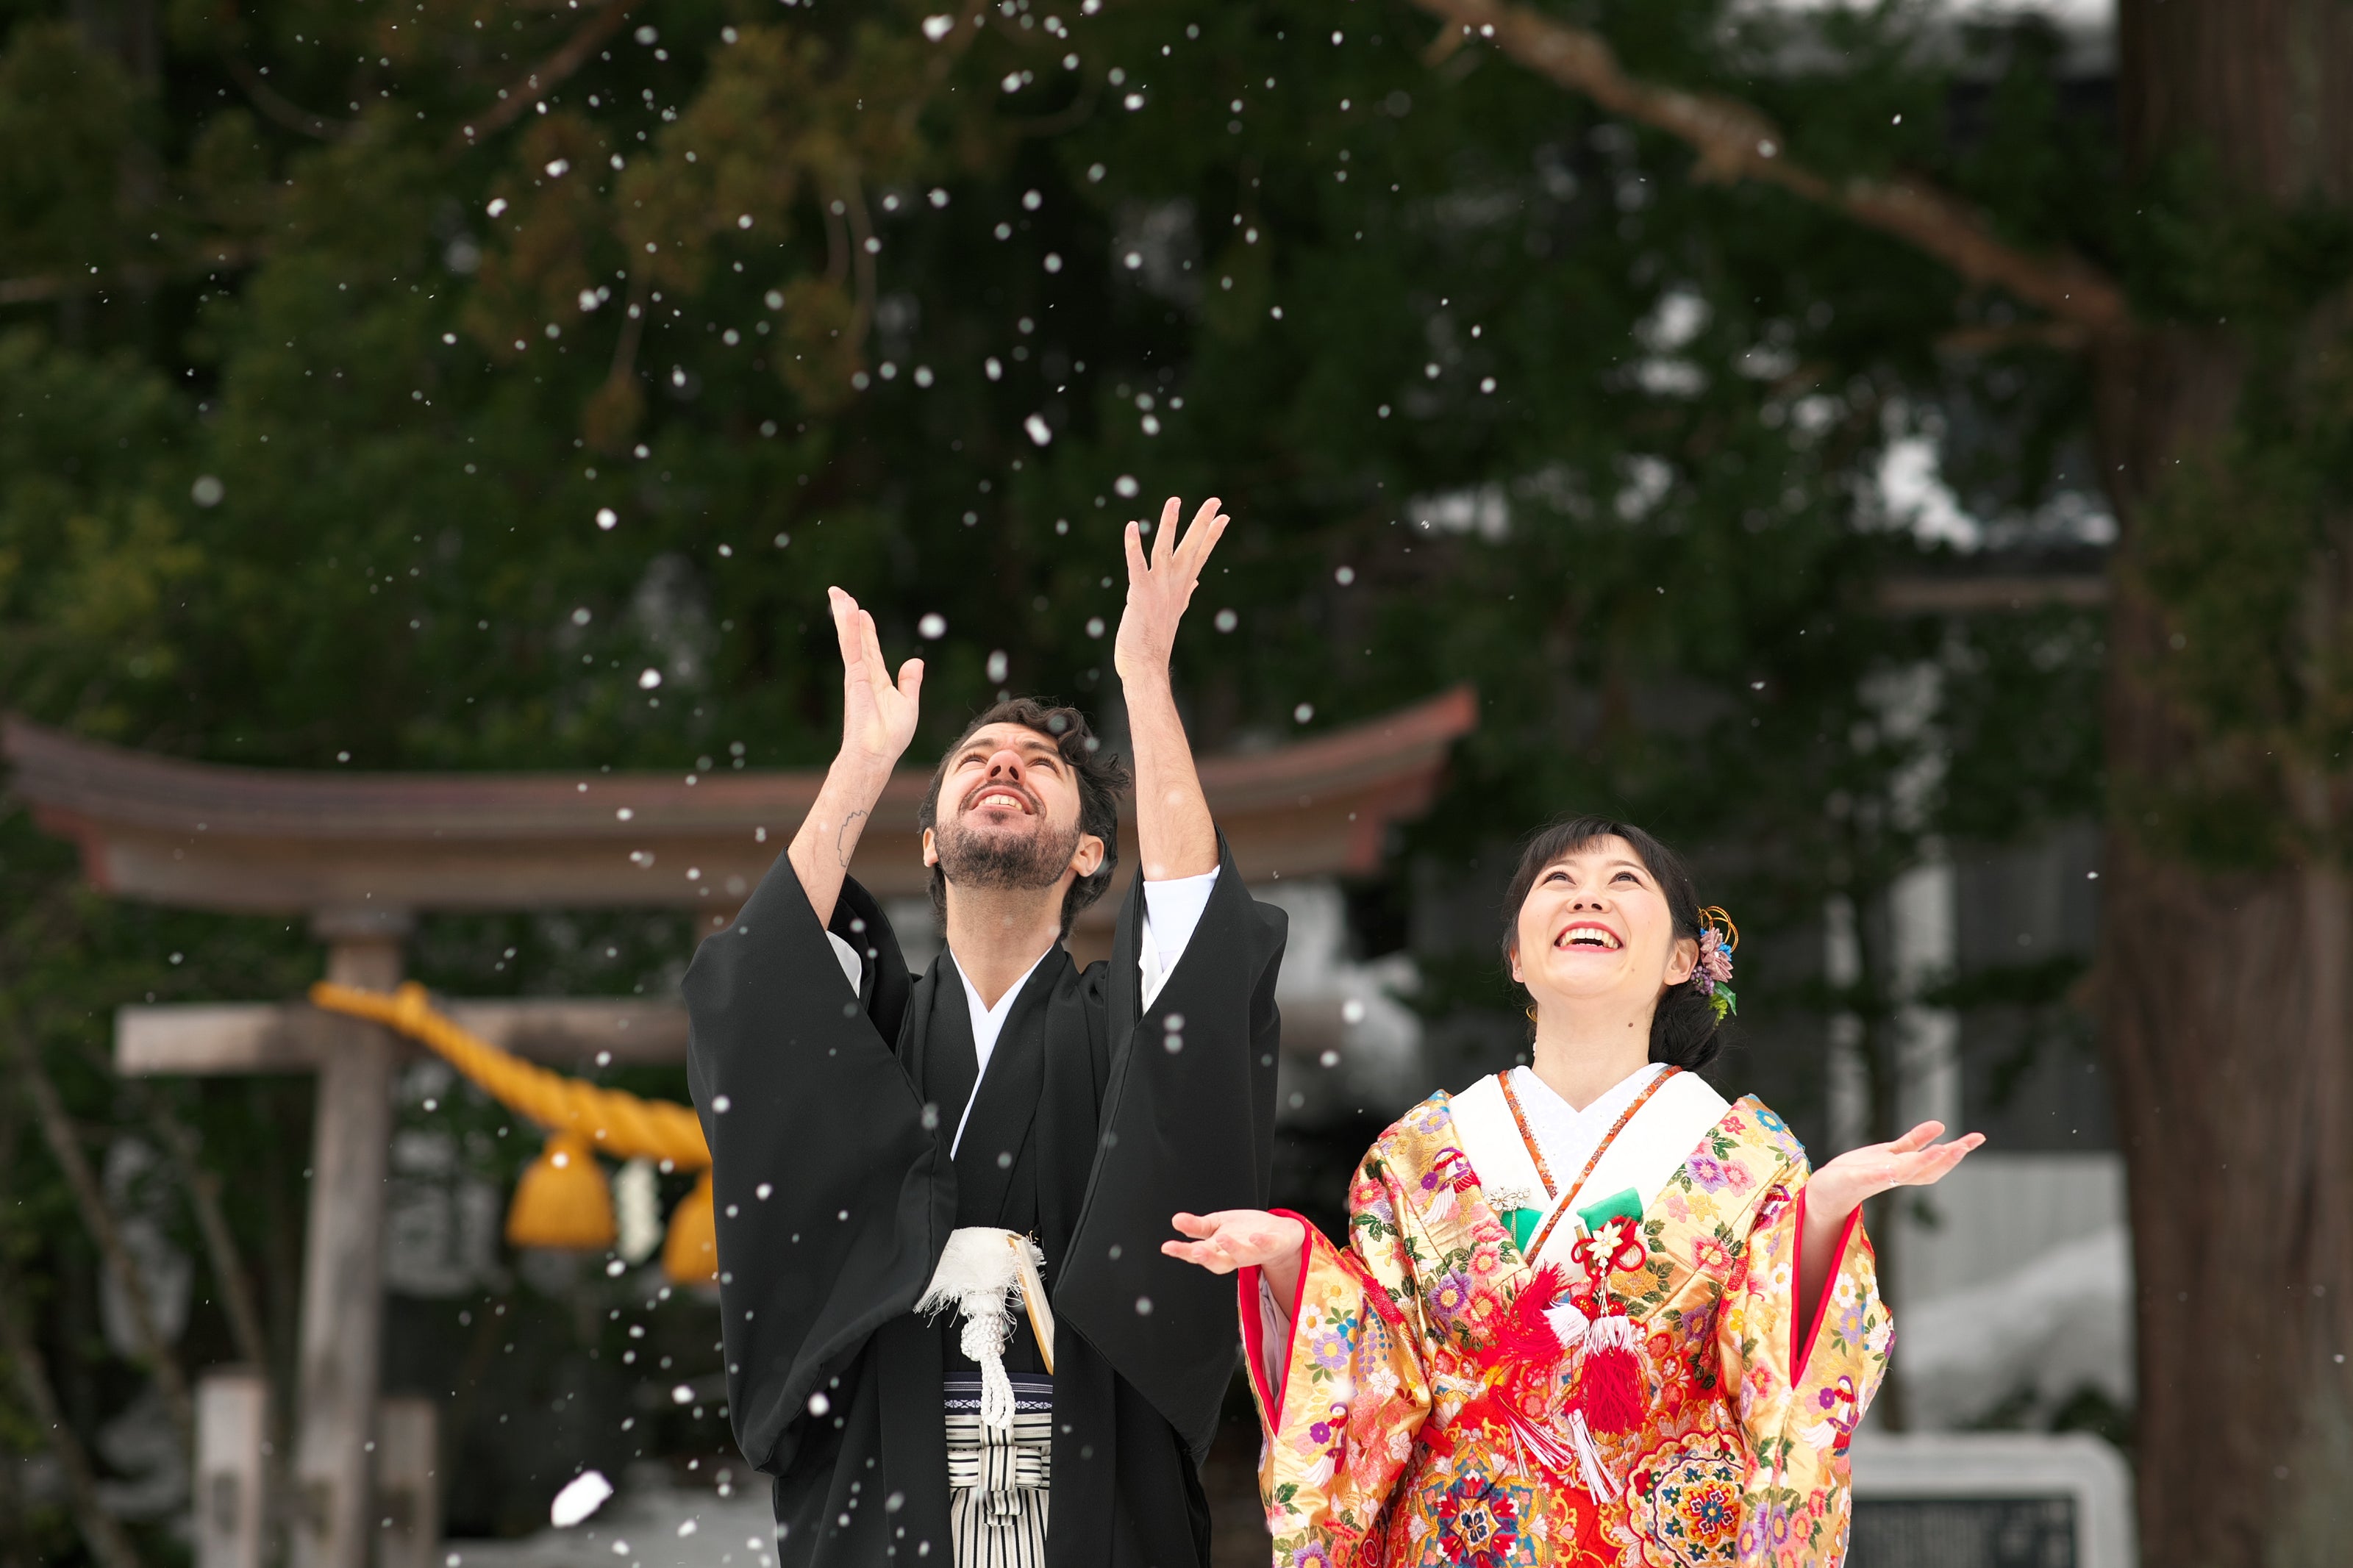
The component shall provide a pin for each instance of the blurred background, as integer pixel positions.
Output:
(1890, 451)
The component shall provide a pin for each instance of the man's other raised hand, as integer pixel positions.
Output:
(878, 714)
(1174, 831)
(878, 720)
(1160, 584)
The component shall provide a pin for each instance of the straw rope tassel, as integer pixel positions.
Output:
(561, 1200)
(552, 1207)
(690, 1249)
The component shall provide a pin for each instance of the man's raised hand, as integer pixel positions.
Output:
(878, 720)
(878, 715)
(1174, 831)
(1160, 585)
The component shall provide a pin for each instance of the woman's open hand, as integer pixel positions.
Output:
(1839, 1188)
(1915, 1159)
(1236, 1238)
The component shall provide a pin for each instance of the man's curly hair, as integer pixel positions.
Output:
(1102, 778)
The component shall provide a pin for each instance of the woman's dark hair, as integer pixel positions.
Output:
(1683, 1031)
(1102, 780)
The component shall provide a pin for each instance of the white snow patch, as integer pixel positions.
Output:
(582, 1495)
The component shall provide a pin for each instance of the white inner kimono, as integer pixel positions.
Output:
(1650, 1148)
(1172, 908)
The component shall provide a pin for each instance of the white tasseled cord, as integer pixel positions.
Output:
(979, 1277)
(1597, 1477)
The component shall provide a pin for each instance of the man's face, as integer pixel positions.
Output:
(1008, 814)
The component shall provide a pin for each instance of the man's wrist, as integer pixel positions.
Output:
(1149, 679)
(862, 770)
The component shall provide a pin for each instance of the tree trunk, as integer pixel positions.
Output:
(2224, 993)
(2230, 1087)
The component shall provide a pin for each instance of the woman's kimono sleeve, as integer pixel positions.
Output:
(1342, 1399)
(1799, 1388)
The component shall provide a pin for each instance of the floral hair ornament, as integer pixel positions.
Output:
(1712, 976)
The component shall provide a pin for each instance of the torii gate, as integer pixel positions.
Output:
(362, 855)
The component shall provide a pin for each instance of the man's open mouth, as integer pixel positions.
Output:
(1000, 797)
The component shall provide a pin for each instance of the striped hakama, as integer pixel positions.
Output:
(997, 1481)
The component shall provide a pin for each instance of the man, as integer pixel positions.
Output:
(874, 1137)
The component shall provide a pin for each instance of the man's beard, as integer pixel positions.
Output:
(1005, 861)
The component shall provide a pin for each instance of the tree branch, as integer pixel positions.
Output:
(180, 1145)
(1734, 140)
(108, 1542)
(550, 73)
(1071, 115)
(1963, 341)
(40, 289)
(862, 256)
(280, 108)
(266, 98)
(58, 1131)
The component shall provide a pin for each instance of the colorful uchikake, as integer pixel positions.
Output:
(1415, 1399)
(1712, 976)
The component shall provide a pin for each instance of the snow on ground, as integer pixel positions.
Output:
(653, 1523)
(2060, 1322)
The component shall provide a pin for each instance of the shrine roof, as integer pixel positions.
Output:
(282, 840)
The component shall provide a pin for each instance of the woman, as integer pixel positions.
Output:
(1589, 1312)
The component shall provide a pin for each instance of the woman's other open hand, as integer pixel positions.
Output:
(1236, 1238)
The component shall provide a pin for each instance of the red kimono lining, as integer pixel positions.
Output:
(1802, 1335)
(1248, 1286)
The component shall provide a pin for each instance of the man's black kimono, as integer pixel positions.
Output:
(830, 1117)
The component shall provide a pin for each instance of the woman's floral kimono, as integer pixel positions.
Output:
(1397, 1433)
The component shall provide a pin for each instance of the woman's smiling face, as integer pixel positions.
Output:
(1595, 928)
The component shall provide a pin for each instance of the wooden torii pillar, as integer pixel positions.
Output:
(362, 855)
